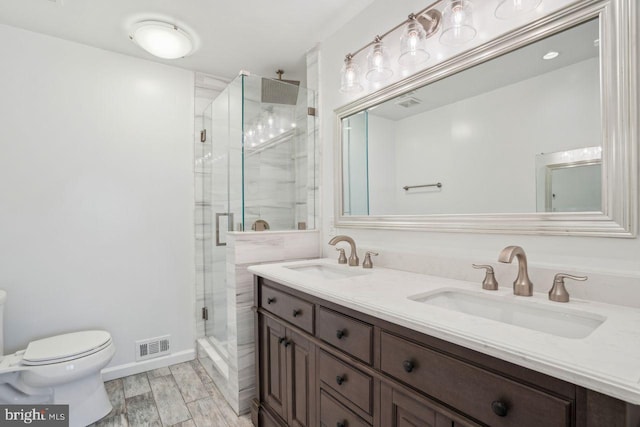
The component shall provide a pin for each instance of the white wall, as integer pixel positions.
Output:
(617, 256)
(96, 194)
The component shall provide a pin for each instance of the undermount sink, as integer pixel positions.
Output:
(330, 272)
(557, 321)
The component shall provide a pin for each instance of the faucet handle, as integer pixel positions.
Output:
(558, 292)
(342, 258)
(367, 263)
(489, 283)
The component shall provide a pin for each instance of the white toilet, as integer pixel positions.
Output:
(63, 369)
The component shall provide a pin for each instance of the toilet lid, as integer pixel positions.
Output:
(65, 347)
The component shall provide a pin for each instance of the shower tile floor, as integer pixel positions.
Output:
(181, 395)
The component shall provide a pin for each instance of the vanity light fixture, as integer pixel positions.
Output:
(378, 64)
(508, 9)
(350, 76)
(552, 54)
(162, 39)
(457, 20)
(412, 43)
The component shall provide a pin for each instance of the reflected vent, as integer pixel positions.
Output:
(408, 102)
(152, 347)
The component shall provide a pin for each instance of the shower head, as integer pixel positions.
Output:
(279, 91)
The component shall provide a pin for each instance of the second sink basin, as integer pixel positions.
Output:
(330, 272)
(557, 321)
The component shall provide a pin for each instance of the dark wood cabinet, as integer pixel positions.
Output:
(400, 410)
(321, 364)
(287, 373)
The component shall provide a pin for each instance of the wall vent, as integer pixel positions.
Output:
(153, 347)
(408, 102)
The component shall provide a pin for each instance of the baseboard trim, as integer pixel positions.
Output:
(147, 365)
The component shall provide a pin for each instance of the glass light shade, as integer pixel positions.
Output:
(378, 65)
(350, 77)
(412, 44)
(162, 40)
(457, 23)
(508, 9)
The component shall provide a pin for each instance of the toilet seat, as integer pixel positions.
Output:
(66, 347)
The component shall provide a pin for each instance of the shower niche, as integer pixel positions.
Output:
(255, 171)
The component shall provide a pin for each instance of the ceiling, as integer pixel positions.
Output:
(259, 36)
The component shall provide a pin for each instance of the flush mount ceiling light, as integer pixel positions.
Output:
(552, 54)
(162, 39)
(508, 9)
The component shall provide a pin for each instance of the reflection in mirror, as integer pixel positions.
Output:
(356, 176)
(569, 181)
(480, 133)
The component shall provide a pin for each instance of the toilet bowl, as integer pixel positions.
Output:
(63, 369)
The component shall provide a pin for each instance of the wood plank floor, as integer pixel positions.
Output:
(181, 395)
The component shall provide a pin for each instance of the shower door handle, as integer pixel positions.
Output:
(229, 226)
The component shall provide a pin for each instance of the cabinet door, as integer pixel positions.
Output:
(274, 366)
(301, 377)
(401, 410)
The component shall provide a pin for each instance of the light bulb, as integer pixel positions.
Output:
(378, 69)
(412, 44)
(457, 18)
(350, 76)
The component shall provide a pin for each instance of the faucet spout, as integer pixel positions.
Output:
(522, 285)
(353, 257)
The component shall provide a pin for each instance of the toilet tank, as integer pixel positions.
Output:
(3, 298)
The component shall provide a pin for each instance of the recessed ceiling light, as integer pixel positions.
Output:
(551, 55)
(162, 39)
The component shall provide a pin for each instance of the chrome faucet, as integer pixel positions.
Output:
(522, 285)
(353, 257)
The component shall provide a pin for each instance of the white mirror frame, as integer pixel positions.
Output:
(619, 86)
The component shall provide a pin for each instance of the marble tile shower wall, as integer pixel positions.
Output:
(245, 249)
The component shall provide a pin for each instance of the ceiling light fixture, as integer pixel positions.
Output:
(508, 9)
(162, 39)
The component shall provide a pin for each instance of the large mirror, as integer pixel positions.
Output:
(530, 140)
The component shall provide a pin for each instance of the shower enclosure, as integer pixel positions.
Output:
(255, 170)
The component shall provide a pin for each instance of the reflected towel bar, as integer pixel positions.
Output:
(407, 187)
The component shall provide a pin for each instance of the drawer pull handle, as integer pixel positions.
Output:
(271, 300)
(408, 365)
(287, 343)
(499, 408)
(341, 424)
(281, 340)
(340, 379)
(297, 312)
(341, 333)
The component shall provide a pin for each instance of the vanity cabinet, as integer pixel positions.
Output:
(322, 364)
(288, 373)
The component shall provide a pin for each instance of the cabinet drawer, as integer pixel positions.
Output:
(470, 389)
(347, 334)
(333, 413)
(292, 309)
(347, 381)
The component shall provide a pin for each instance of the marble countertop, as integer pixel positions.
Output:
(606, 361)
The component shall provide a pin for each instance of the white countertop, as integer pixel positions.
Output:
(606, 361)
